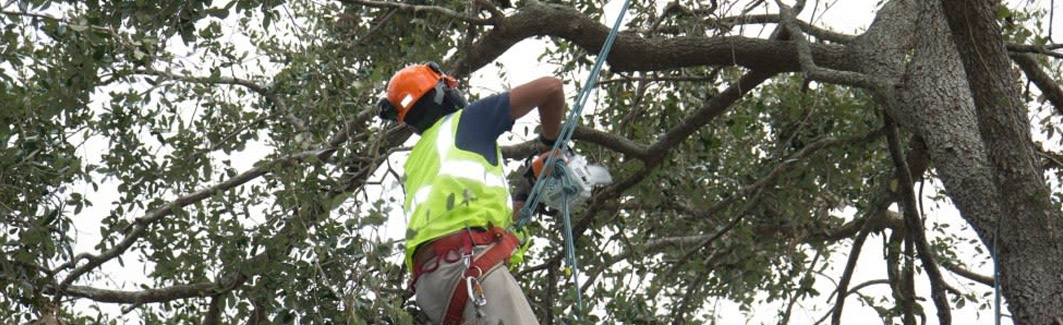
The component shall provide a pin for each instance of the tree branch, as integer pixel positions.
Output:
(142, 223)
(416, 8)
(847, 275)
(808, 65)
(632, 52)
(607, 140)
(213, 316)
(1053, 159)
(183, 291)
(1050, 88)
(685, 303)
(1037, 49)
(914, 224)
(807, 28)
(855, 289)
(983, 279)
(261, 90)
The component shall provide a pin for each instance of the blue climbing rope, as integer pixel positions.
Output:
(996, 271)
(560, 173)
(573, 117)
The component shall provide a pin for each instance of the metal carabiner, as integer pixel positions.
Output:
(466, 260)
(476, 291)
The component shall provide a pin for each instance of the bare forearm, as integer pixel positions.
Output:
(548, 95)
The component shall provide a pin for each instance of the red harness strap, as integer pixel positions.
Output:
(441, 248)
(505, 243)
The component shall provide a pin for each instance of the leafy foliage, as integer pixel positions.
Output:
(231, 148)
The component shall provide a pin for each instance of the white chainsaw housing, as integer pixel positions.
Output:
(583, 177)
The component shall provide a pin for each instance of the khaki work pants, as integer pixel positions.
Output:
(506, 303)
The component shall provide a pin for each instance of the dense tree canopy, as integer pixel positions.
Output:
(228, 151)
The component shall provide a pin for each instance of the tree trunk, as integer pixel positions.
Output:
(1030, 254)
(937, 106)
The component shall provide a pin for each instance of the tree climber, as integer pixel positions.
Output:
(458, 202)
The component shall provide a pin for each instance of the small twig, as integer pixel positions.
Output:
(127, 309)
(807, 28)
(793, 300)
(970, 275)
(496, 14)
(847, 274)
(1038, 49)
(265, 91)
(849, 292)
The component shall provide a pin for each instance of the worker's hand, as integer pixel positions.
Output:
(535, 165)
(524, 184)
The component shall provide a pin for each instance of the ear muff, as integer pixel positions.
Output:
(457, 98)
(440, 92)
(435, 67)
(387, 111)
(447, 89)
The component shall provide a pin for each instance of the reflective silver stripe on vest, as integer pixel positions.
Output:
(420, 197)
(472, 170)
(465, 169)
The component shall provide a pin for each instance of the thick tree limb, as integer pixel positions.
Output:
(814, 71)
(634, 53)
(1026, 240)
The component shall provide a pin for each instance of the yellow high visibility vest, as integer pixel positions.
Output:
(449, 189)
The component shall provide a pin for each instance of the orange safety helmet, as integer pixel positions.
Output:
(407, 87)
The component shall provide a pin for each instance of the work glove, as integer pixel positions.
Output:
(543, 144)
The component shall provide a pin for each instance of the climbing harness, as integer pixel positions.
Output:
(469, 285)
(561, 178)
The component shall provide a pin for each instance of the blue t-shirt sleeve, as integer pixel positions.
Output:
(482, 123)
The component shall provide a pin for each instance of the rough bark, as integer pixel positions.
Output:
(1030, 231)
(937, 105)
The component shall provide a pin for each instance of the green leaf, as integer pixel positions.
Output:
(221, 13)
